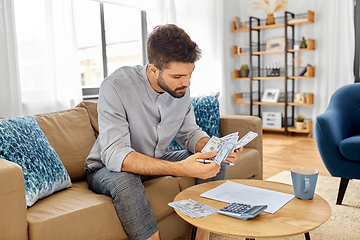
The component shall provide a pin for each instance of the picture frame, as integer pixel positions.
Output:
(271, 95)
(275, 44)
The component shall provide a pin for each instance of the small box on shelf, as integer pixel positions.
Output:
(272, 120)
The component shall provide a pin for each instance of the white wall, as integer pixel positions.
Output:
(234, 8)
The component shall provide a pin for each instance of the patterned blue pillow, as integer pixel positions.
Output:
(207, 115)
(24, 143)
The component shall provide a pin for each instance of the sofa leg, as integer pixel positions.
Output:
(342, 188)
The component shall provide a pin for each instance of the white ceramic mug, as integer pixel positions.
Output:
(304, 182)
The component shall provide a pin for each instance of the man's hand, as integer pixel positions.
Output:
(191, 168)
(233, 156)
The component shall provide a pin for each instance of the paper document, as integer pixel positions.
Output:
(235, 192)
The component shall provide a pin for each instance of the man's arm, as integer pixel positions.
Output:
(201, 144)
(144, 165)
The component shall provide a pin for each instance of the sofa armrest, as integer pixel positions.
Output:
(13, 223)
(244, 124)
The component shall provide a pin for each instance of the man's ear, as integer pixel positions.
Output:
(153, 69)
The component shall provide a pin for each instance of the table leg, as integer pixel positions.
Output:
(193, 233)
(307, 236)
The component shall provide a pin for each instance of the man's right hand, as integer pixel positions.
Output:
(191, 168)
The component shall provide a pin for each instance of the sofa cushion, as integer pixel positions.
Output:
(350, 148)
(23, 142)
(76, 213)
(91, 107)
(71, 135)
(79, 213)
(247, 165)
(207, 115)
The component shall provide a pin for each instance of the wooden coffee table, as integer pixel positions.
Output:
(295, 217)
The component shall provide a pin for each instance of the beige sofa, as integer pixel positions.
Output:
(78, 213)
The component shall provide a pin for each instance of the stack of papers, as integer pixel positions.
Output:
(192, 208)
(235, 192)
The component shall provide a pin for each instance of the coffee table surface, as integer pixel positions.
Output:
(295, 217)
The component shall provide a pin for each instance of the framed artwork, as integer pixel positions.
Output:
(275, 44)
(271, 95)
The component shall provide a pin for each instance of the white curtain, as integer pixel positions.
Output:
(46, 55)
(203, 21)
(335, 47)
(10, 100)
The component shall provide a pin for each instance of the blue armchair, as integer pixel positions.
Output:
(338, 136)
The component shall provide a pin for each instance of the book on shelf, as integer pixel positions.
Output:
(304, 70)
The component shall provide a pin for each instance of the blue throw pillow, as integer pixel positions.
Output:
(207, 115)
(24, 143)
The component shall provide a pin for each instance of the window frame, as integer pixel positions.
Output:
(92, 93)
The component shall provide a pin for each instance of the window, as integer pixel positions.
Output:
(88, 29)
(109, 36)
(123, 36)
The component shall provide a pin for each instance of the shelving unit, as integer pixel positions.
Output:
(255, 52)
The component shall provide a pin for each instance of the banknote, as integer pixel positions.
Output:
(213, 144)
(246, 139)
(193, 208)
(227, 144)
(224, 151)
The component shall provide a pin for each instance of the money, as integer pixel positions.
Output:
(223, 152)
(246, 139)
(227, 144)
(213, 144)
(193, 208)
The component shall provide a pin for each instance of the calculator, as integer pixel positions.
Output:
(242, 211)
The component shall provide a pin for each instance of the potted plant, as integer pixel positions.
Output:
(299, 124)
(244, 70)
(303, 43)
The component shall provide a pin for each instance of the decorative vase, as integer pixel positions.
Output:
(244, 73)
(299, 125)
(270, 19)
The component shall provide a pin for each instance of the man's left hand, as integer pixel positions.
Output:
(233, 156)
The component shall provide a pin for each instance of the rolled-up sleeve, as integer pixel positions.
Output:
(114, 135)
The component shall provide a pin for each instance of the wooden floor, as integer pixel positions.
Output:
(285, 152)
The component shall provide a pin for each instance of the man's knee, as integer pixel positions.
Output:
(115, 183)
(126, 184)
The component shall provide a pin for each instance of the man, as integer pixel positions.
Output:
(141, 109)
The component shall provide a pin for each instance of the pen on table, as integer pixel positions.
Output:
(210, 161)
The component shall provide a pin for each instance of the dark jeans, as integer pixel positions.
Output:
(128, 195)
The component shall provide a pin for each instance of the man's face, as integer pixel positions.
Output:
(176, 78)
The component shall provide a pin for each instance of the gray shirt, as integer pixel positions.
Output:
(134, 117)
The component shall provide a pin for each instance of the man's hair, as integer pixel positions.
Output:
(169, 43)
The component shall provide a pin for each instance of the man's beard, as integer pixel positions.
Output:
(166, 88)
